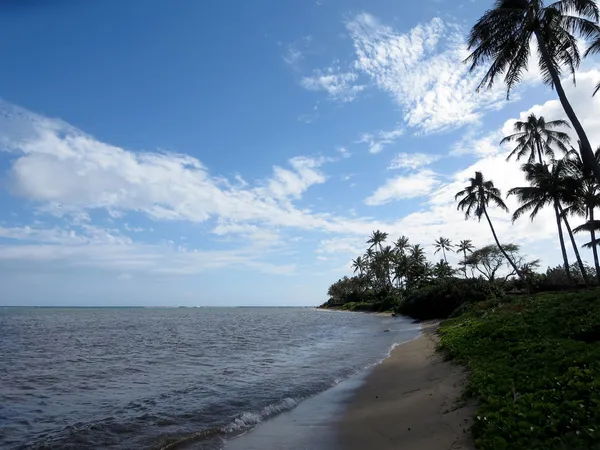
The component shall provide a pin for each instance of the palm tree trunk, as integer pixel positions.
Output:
(539, 151)
(562, 245)
(465, 263)
(586, 281)
(587, 154)
(444, 252)
(594, 248)
(514, 266)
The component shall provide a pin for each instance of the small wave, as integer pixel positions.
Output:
(251, 419)
(241, 424)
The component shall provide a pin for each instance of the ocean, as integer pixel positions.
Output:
(175, 378)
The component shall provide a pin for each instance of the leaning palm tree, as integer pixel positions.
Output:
(549, 186)
(443, 244)
(536, 137)
(475, 199)
(502, 37)
(465, 246)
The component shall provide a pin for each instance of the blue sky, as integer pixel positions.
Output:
(225, 153)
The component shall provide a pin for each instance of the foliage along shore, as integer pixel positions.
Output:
(534, 365)
(534, 360)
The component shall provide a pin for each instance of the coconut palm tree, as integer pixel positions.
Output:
(475, 199)
(376, 239)
(594, 48)
(401, 244)
(502, 37)
(585, 201)
(465, 246)
(536, 137)
(359, 265)
(549, 186)
(443, 244)
(442, 270)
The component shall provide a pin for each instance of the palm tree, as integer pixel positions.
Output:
(594, 48)
(359, 265)
(535, 137)
(585, 201)
(502, 37)
(401, 244)
(442, 270)
(549, 186)
(443, 244)
(465, 246)
(377, 238)
(474, 200)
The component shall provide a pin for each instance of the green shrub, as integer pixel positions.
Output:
(441, 297)
(360, 306)
(534, 365)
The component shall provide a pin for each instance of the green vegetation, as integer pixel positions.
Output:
(534, 360)
(534, 364)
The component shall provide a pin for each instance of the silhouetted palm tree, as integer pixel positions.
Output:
(474, 200)
(585, 201)
(401, 244)
(465, 246)
(443, 244)
(359, 265)
(536, 137)
(549, 186)
(594, 48)
(502, 37)
(377, 238)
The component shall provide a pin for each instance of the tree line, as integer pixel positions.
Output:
(560, 175)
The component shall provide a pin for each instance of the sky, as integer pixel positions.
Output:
(226, 153)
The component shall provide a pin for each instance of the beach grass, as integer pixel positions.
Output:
(534, 365)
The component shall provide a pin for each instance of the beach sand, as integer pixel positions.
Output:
(409, 401)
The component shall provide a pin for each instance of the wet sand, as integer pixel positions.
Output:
(409, 402)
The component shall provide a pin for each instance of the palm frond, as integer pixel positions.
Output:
(583, 8)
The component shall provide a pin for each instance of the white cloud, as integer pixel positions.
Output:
(295, 51)
(404, 187)
(96, 248)
(292, 183)
(478, 143)
(339, 86)
(423, 72)
(344, 153)
(586, 107)
(347, 245)
(412, 160)
(376, 142)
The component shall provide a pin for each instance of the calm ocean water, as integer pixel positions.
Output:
(171, 378)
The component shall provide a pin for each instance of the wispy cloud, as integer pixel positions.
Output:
(423, 72)
(339, 86)
(412, 160)
(404, 187)
(344, 153)
(295, 51)
(377, 141)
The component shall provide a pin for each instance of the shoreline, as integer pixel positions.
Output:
(409, 401)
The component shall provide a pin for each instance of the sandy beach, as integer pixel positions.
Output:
(409, 402)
